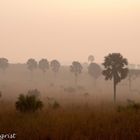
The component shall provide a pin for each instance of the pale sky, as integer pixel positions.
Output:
(69, 29)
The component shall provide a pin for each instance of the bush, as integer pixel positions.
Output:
(131, 105)
(28, 103)
(56, 105)
(53, 103)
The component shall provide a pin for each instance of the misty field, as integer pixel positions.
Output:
(73, 122)
(85, 111)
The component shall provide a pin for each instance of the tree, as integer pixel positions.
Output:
(76, 68)
(44, 65)
(28, 103)
(55, 66)
(4, 63)
(31, 65)
(115, 68)
(94, 70)
(91, 58)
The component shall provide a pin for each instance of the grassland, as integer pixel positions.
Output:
(81, 116)
(71, 122)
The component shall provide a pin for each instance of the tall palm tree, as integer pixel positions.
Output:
(76, 68)
(55, 66)
(44, 65)
(115, 68)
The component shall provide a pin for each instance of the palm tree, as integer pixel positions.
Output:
(76, 68)
(55, 66)
(94, 70)
(115, 68)
(4, 63)
(28, 103)
(44, 65)
(91, 58)
(31, 65)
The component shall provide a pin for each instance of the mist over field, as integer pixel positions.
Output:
(69, 70)
(18, 79)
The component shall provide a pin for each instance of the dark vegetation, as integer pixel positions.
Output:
(29, 102)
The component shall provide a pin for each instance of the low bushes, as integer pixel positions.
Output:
(29, 102)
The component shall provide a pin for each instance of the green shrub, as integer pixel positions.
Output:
(28, 103)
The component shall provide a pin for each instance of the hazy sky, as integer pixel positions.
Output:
(69, 29)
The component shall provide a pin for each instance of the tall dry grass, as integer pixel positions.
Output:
(71, 122)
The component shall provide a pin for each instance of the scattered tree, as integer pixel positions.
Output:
(55, 66)
(91, 58)
(115, 68)
(31, 65)
(4, 63)
(76, 68)
(95, 71)
(44, 65)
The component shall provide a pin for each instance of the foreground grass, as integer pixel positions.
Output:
(72, 122)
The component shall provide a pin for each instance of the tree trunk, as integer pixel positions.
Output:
(44, 75)
(114, 90)
(31, 75)
(76, 79)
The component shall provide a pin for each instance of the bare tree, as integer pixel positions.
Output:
(115, 68)
(76, 68)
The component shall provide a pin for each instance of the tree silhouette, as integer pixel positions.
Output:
(55, 66)
(4, 63)
(31, 65)
(115, 68)
(76, 68)
(94, 70)
(44, 65)
(91, 58)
